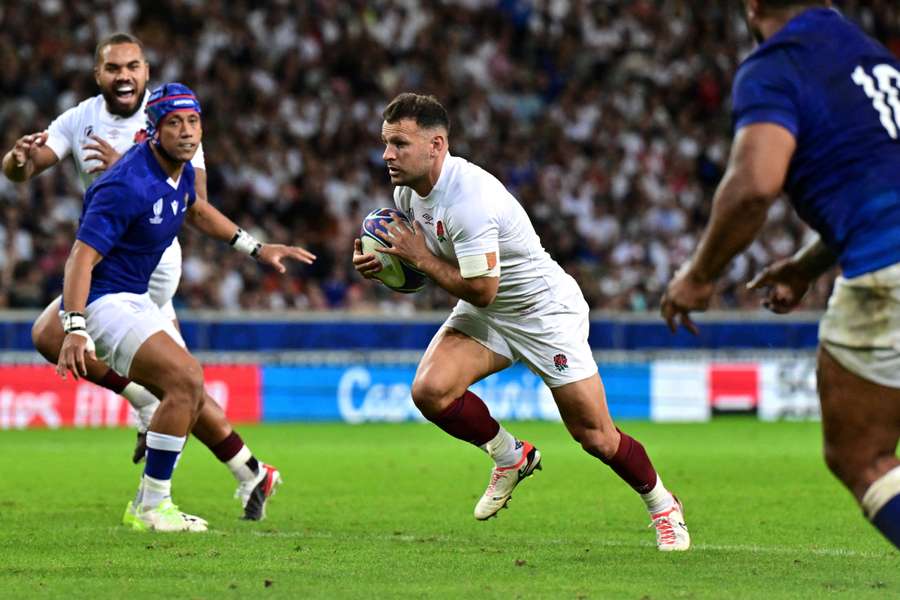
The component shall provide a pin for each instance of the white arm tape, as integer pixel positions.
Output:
(479, 266)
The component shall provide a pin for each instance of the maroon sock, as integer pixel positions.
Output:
(632, 464)
(113, 381)
(468, 419)
(228, 448)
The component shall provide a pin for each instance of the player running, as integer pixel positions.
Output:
(130, 216)
(473, 238)
(817, 115)
(96, 132)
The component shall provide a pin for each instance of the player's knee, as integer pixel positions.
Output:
(45, 339)
(597, 442)
(186, 386)
(431, 396)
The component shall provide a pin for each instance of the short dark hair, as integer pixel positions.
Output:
(113, 39)
(425, 110)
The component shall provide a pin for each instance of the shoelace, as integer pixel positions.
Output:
(496, 474)
(664, 531)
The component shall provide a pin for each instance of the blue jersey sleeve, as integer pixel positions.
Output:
(108, 214)
(766, 91)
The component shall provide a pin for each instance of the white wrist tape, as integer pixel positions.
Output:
(73, 320)
(246, 243)
(89, 345)
(479, 265)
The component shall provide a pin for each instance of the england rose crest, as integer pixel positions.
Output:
(439, 230)
(560, 362)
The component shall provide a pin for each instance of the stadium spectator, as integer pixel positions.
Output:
(609, 120)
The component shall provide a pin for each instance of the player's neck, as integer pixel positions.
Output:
(425, 187)
(770, 25)
(169, 165)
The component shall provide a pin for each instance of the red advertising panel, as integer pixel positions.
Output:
(34, 396)
(734, 387)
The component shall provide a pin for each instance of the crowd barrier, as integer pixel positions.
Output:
(355, 370)
(360, 392)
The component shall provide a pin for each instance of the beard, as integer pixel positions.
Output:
(117, 107)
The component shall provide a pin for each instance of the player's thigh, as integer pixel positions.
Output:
(47, 333)
(860, 422)
(162, 362)
(453, 361)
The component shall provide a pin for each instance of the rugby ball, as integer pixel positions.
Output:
(395, 273)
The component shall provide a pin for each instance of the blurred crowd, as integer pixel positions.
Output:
(608, 119)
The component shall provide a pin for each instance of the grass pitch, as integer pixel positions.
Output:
(385, 511)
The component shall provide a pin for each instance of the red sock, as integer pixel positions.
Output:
(113, 381)
(632, 464)
(228, 448)
(468, 419)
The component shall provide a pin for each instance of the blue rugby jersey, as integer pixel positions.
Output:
(131, 215)
(838, 92)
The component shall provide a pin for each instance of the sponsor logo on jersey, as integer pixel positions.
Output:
(439, 230)
(560, 362)
(156, 219)
(428, 218)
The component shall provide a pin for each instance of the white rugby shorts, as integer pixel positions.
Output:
(120, 324)
(550, 339)
(165, 278)
(861, 328)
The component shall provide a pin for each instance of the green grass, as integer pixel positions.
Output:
(385, 511)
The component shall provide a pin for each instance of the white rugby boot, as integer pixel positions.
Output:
(164, 517)
(671, 532)
(504, 480)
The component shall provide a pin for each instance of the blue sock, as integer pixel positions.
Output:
(888, 520)
(162, 453)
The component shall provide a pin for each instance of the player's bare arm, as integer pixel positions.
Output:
(29, 157)
(409, 244)
(786, 281)
(207, 218)
(756, 172)
(77, 283)
(104, 154)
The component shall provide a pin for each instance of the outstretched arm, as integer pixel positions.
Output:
(76, 285)
(28, 158)
(756, 172)
(207, 218)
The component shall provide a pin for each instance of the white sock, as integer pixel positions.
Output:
(659, 498)
(239, 467)
(503, 449)
(155, 491)
(143, 402)
(139, 396)
(881, 492)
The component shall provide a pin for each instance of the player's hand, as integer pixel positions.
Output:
(27, 146)
(71, 357)
(105, 154)
(273, 254)
(406, 243)
(783, 284)
(365, 264)
(685, 293)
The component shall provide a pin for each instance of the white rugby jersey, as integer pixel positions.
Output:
(470, 213)
(71, 130)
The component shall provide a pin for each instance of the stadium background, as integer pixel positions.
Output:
(609, 120)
